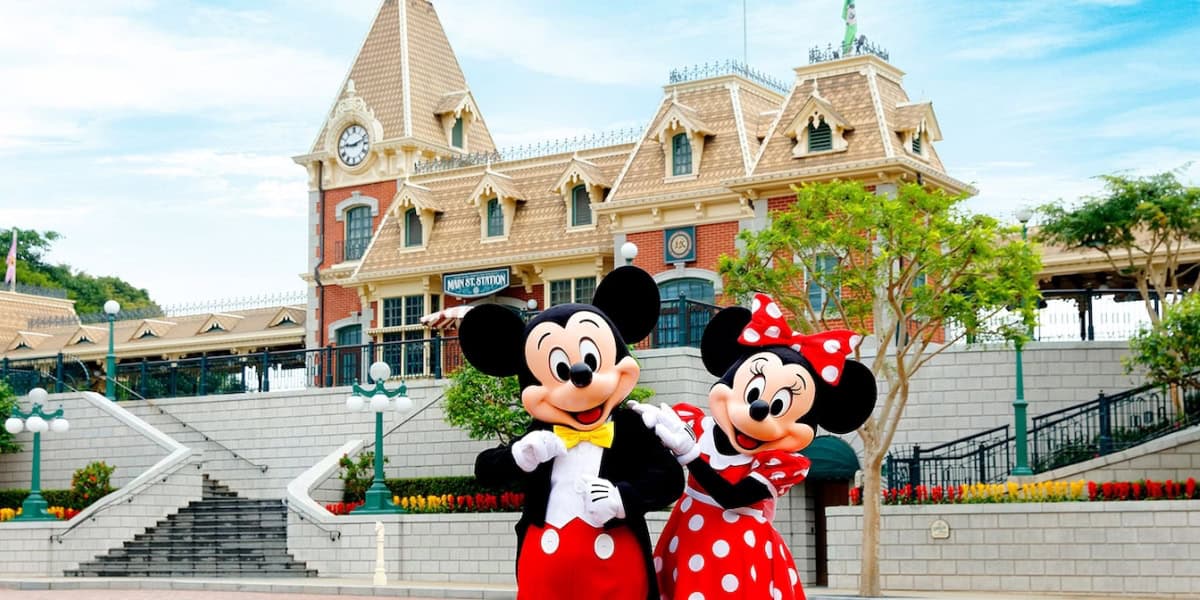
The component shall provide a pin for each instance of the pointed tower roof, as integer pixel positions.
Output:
(404, 72)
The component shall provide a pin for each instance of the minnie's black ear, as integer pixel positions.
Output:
(629, 296)
(492, 338)
(719, 347)
(845, 407)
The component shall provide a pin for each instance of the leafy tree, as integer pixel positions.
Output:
(89, 292)
(487, 407)
(1170, 351)
(1140, 225)
(8, 401)
(912, 268)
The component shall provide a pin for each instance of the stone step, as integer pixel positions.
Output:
(198, 550)
(182, 570)
(200, 559)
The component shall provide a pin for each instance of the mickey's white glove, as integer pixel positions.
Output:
(601, 500)
(676, 435)
(536, 448)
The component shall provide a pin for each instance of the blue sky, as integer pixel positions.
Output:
(157, 136)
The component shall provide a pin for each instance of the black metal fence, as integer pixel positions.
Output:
(681, 322)
(1064, 437)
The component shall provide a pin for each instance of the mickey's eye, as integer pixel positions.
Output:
(755, 388)
(781, 402)
(590, 353)
(559, 364)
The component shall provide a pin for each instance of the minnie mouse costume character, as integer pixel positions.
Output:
(589, 467)
(776, 387)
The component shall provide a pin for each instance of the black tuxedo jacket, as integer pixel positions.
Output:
(644, 472)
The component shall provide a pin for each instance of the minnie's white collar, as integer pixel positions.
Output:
(708, 447)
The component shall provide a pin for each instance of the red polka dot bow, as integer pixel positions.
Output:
(827, 350)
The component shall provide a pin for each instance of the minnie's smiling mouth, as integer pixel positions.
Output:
(745, 441)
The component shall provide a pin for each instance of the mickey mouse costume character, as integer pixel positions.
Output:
(776, 387)
(590, 469)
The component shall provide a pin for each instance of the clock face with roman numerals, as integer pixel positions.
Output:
(353, 145)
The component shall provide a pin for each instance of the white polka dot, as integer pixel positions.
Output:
(774, 462)
(695, 563)
(673, 545)
(796, 347)
(770, 552)
(729, 583)
(772, 331)
(755, 305)
(773, 310)
(793, 575)
(686, 505)
(674, 574)
(783, 552)
(854, 340)
(749, 537)
(658, 564)
(753, 574)
(760, 518)
(696, 596)
(829, 373)
(604, 546)
(549, 541)
(696, 522)
(730, 516)
(750, 335)
(720, 548)
(832, 346)
(776, 594)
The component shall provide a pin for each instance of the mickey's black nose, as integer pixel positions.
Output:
(759, 410)
(581, 374)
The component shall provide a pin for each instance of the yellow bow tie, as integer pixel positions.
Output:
(602, 437)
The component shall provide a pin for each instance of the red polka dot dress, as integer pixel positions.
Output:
(709, 552)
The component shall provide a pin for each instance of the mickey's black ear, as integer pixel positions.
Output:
(845, 407)
(492, 338)
(629, 296)
(719, 346)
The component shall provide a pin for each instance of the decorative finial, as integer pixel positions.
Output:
(350, 87)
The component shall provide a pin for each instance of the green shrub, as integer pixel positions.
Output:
(8, 401)
(357, 475)
(92, 482)
(64, 498)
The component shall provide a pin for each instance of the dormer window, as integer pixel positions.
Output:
(581, 206)
(456, 133)
(820, 139)
(916, 143)
(495, 218)
(23, 346)
(681, 155)
(456, 111)
(817, 129)
(412, 228)
(214, 327)
(917, 128)
(83, 339)
(147, 334)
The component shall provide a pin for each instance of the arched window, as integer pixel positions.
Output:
(412, 228)
(358, 232)
(495, 218)
(681, 321)
(681, 155)
(348, 340)
(820, 138)
(581, 206)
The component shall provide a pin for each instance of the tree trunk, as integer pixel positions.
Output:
(872, 500)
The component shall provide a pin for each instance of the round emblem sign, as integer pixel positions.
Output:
(680, 244)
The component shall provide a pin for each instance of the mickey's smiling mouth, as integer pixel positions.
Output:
(589, 416)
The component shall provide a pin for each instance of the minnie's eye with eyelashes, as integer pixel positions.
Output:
(754, 389)
(781, 402)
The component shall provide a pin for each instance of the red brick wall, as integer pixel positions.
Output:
(340, 303)
(335, 231)
(712, 240)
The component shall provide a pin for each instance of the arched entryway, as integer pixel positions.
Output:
(681, 320)
(834, 464)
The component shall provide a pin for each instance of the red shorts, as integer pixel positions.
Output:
(581, 562)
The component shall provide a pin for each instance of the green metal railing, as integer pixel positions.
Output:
(1063, 437)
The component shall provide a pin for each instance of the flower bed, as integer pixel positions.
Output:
(1047, 491)
(63, 514)
(445, 503)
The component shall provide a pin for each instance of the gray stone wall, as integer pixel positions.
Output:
(1175, 457)
(1141, 548)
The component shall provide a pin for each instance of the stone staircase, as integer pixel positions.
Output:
(222, 535)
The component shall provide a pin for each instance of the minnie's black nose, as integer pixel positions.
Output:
(581, 374)
(759, 410)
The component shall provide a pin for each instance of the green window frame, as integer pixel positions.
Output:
(412, 228)
(681, 154)
(560, 292)
(581, 206)
(825, 273)
(585, 288)
(820, 138)
(495, 218)
(358, 232)
(916, 142)
(393, 312)
(456, 133)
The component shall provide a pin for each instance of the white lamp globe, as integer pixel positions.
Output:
(1024, 214)
(59, 425)
(629, 251)
(37, 395)
(112, 307)
(531, 304)
(380, 371)
(379, 403)
(14, 425)
(403, 404)
(354, 403)
(36, 424)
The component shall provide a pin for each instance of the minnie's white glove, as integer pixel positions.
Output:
(536, 448)
(601, 500)
(649, 412)
(676, 436)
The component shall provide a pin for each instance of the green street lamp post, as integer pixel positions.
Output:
(1020, 406)
(379, 399)
(36, 421)
(111, 308)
